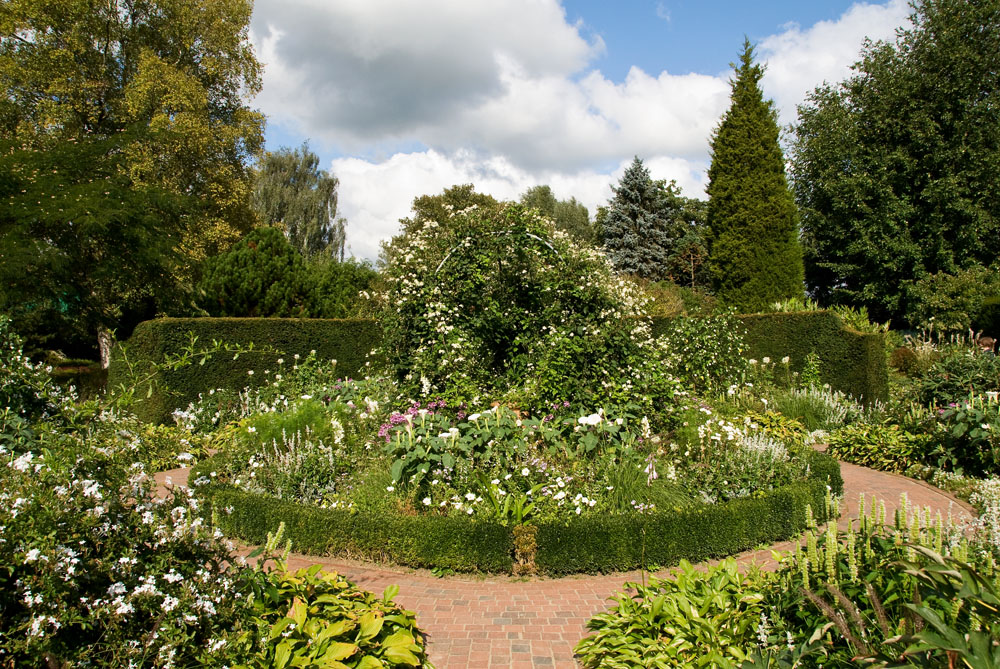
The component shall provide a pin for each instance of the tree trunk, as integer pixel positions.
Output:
(104, 345)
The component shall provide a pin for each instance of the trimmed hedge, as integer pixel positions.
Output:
(587, 544)
(850, 361)
(348, 341)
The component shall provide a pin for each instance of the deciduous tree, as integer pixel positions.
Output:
(146, 97)
(292, 192)
(897, 168)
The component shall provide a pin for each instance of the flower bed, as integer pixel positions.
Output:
(594, 543)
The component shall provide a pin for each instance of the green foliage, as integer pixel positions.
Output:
(753, 224)
(957, 373)
(491, 302)
(98, 571)
(262, 275)
(346, 341)
(125, 139)
(707, 353)
(648, 230)
(910, 593)
(885, 447)
(27, 391)
(291, 192)
(967, 437)
(432, 208)
(695, 533)
(946, 302)
(315, 620)
(595, 543)
(417, 541)
(61, 282)
(896, 168)
(569, 216)
(851, 362)
(654, 627)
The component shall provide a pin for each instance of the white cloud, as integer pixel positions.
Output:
(375, 195)
(800, 60)
(503, 94)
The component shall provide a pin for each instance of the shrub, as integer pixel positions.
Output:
(851, 362)
(27, 391)
(958, 372)
(914, 591)
(885, 447)
(653, 625)
(904, 360)
(967, 437)
(494, 301)
(706, 353)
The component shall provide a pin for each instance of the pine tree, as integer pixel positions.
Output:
(634, 228)
(755, 254)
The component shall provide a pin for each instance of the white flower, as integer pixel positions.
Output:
(389, 488)
(753, 361)
(250, 372)
(426, 501)
(525, 471)
(32, 555)
(592, 419)
(785, 360)
(766, 360)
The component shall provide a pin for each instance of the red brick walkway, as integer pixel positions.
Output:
(489, 622)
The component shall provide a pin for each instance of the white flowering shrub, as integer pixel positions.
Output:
(498, 302)
(98, 572)
(27, 391)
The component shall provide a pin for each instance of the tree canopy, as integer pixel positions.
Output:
(569, 215)
(754, 248)
(897, 168)
(436, 208)
(650, 230)
(125, 143)
(293, 193)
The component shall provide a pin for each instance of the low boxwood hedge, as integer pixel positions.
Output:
(578, 545)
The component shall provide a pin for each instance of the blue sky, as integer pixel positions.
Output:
(687, 35)
(400, 98)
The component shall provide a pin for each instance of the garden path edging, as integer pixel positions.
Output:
(496, 622)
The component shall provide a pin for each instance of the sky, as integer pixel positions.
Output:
(402, 98)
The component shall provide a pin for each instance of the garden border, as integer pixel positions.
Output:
(579, 545)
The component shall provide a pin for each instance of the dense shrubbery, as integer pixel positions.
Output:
(264, 275)
(914, 591)
(498, 302)
(97, 570)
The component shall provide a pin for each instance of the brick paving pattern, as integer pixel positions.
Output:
(491, 622)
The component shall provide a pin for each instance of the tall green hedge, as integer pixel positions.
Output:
(850, 361)
(346, 341)
(577, 545)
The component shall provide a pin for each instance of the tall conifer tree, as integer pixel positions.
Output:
(755, 254)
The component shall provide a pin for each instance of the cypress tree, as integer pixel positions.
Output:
(634, 227)
(754, 248)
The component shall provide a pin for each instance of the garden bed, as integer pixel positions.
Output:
(585, 544)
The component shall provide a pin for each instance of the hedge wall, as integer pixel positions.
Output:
(588, 544)
(850, 361)
(346, 341)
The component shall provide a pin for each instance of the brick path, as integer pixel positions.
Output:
(488, 622)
